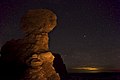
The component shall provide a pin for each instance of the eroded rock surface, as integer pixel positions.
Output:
(32, 52)
(41, 67)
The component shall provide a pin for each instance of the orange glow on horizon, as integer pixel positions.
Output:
(88, 68)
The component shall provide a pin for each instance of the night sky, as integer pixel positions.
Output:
(87, 33)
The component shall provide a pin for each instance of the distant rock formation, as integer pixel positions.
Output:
(59, 65)
(31, 55)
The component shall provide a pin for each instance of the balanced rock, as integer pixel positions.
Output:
(32, 51)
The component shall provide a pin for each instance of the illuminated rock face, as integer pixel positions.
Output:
(38, 21)
(37, 24)
(41, 67)
(33, 51)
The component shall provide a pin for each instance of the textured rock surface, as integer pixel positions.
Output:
(31, 54)
(41, 67)
(40, 20)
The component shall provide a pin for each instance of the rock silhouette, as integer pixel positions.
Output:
(59, 65)
(29, 58)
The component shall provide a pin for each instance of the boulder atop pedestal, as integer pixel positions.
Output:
(29, 58)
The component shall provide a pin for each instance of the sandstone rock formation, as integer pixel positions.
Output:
(31, 54)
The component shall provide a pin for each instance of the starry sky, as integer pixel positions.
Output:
(87, 32)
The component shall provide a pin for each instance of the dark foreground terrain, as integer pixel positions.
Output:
(93, 76)
(85, 76)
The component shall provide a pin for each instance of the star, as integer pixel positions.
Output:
(84, 36)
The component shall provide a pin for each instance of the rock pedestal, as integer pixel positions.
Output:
(32, 51)
(41, 67)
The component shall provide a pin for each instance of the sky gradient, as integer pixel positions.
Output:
(87, 33)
